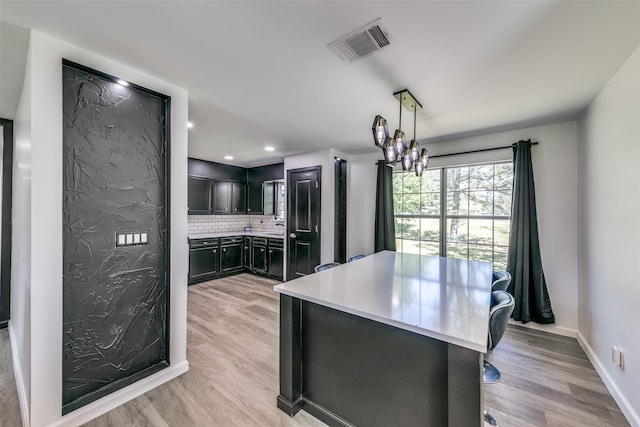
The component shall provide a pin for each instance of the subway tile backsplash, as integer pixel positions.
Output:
(197, 224)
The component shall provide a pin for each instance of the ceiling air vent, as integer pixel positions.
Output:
(361, 42)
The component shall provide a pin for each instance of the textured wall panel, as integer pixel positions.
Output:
(115, 324)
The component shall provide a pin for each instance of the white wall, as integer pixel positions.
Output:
(609, 230)
(555, 172)
(20, 323)
(39, 241)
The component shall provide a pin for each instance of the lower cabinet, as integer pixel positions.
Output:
(259, 255)
(204, 259)
(218, 257)
(275, 259)
(231, 254)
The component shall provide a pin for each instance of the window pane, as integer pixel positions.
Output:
(430, 229)
(457, 203)
(457, 250)
(481, 231)
(431, 180)
(481, 177)
(503, 179)
(410, 203)
(411, 183)
(500, 258)
(501, 232)
(410, 247)
(430, 248)
(481, 203)
(457, 179)
(457, 230)
(430, 203)
(503, 203)
(481, 253)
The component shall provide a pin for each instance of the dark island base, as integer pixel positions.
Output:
(347, 370)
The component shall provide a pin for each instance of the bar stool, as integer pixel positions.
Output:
(501, 280)
(326, 266)
(502, 305)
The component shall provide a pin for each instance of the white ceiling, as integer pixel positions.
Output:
(260, 73)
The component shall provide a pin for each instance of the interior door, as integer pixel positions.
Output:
(303, 219)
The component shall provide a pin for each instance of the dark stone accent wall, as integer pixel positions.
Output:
(115, 299)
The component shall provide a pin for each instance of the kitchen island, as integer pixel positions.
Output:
(390, 339)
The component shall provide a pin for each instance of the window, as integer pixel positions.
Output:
(459, 212)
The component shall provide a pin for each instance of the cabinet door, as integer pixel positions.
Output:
(203, 262)
(276, 263)
(247, 252)
(221, 197)
(268, 198)
(255, 198)
(238, 198)
(231, 257)
(259, 258)
(198, 196)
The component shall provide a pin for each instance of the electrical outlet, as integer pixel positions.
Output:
(617, 356)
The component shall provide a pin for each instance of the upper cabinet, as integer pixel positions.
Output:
(216, 188)
(228, 198)
(198, 196)
(255, 198)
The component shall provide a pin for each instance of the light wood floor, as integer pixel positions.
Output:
(232, 349)
(9, 404)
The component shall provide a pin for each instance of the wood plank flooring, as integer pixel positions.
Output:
(9, 404)
(232, 348)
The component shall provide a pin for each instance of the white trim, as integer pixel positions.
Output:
(554, 329)
(17, 374)
(622, 402)
(117, 398)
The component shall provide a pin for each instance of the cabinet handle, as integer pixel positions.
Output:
(215, 250)
(261, 250)
(270, 251)
(224, 249)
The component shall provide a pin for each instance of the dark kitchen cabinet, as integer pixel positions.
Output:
(231, 254)
(238, 198)
(275, 258)
(247, 253)
(198, 196)
(204, 259)
(255, 198)
(228, 197)
(259, 255)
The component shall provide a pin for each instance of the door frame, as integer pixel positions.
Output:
(318, 169)
(5, 245)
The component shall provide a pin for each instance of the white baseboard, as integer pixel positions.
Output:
(622, 402)
(117, 398)
(554, 329)
(17, 374)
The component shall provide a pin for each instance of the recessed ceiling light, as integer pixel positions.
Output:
(228, 157)
(189, 125)
(268, 148)
(123, 83)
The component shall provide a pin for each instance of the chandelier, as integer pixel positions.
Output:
(396, 149)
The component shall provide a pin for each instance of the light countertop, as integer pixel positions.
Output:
(267, 234)
(443, 298)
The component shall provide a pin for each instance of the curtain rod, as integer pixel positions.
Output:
(478, 151)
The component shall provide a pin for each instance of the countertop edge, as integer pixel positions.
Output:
(481, 348)
(234, 234)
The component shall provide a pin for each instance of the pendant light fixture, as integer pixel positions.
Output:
(396, 148)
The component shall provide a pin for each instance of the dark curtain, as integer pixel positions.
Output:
(528, 285)
(385, 231)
